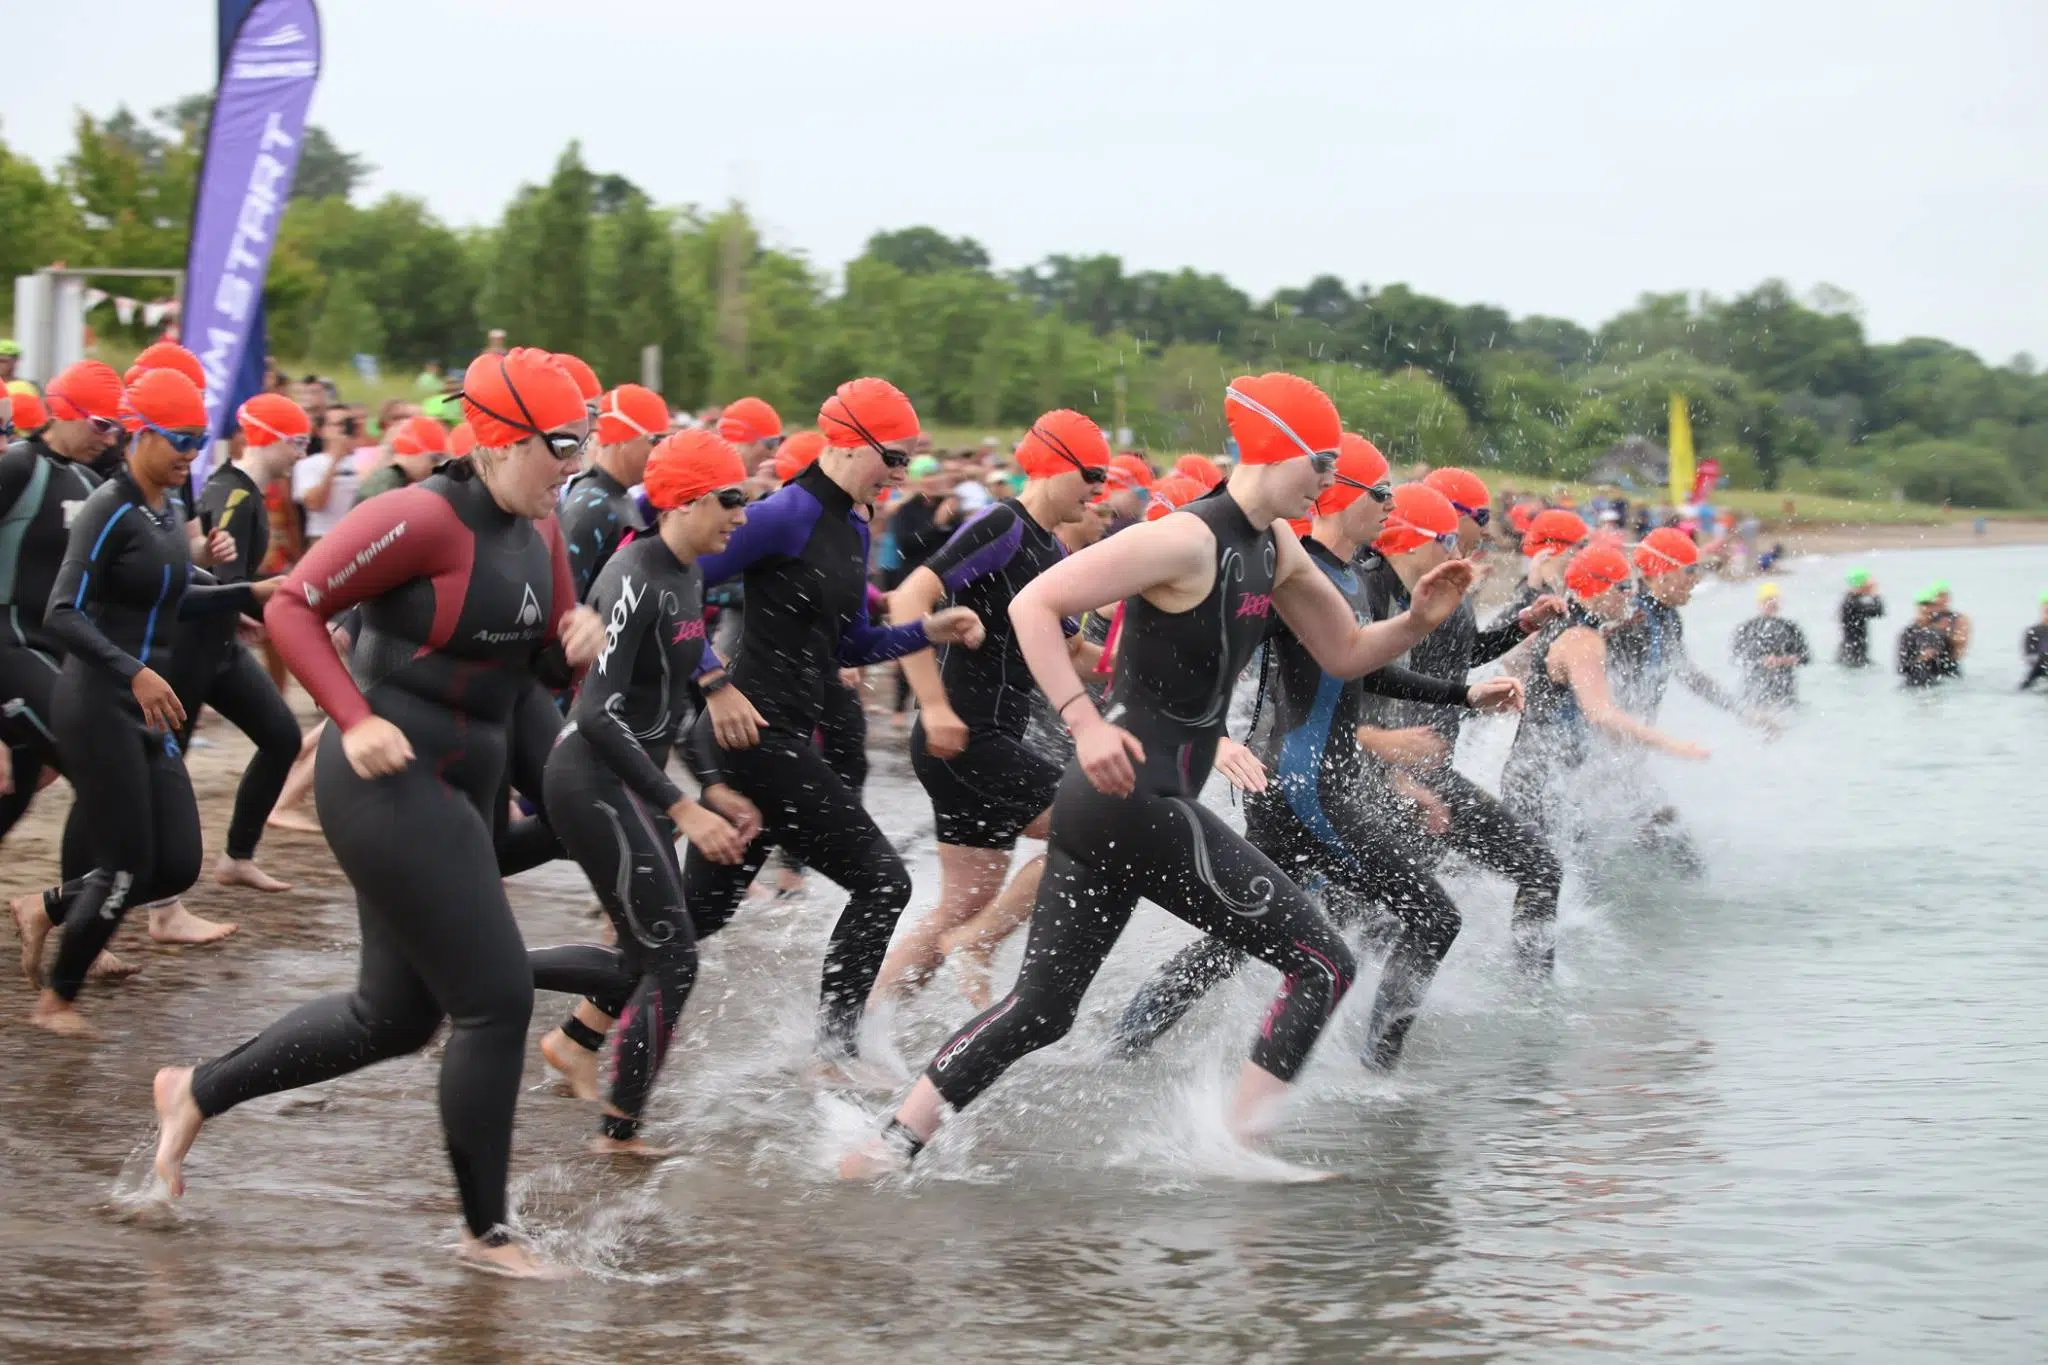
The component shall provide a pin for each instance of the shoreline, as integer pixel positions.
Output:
(1855, 537)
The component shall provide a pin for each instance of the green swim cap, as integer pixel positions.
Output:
(1858, 577)
(1926, 595)
(922, 466)
(1938, 587)
(9, 346)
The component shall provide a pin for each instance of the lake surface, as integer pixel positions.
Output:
(1792, 1110)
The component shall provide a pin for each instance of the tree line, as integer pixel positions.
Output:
(1784, 390)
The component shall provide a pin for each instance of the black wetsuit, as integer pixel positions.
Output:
(41, 493)
(804, 555)
(1763, 637)
(1554, 736)
(610, 795)
(1482, 829)
(1927, 655)
(1174, 674)
(2034, 649)
(460, 601)
(1647, 651)
(1858, 611)
(215, 670)
(985, 795)
(597, 512)
(125, 581)
(1328, 812)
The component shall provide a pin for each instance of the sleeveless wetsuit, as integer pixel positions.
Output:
(985, 795)
(1174, 675)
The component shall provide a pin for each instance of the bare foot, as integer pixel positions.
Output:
(244, 872)
(577, 1066)
(293, 819)
(875, 1159)
(511, 1260)
(107, 967)
(173, 923)
(33, 926)
(61, 1017)
(177, 1125)
(633, 1147)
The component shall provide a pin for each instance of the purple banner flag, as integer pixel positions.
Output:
(252, 153)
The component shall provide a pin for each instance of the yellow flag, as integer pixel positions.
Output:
(1681, 452)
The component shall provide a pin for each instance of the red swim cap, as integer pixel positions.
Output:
(461, 440)
(585, 377)
(1666, 550)
(1554, 529)
(1130, 471)
(1519, 516)
(1417, 515)
(746, 420)
(1279, 417)
(867, 410)
(797, 454)
(419, 436)
(1359, 466)
(1201, 469)
(1596, 569)
(690, 464)
(523, 393)
(1058, 441)
(629, 411)
(89, 388)
(168, 355)
(269, 418)
(167, 399)
(1466, 490)
(1170, 494)
(29, 412)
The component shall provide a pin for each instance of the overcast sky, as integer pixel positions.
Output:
(1559, 157)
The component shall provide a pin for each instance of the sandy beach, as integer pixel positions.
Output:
(1849, 538)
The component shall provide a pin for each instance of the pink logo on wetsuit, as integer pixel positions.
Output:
(1259, 604)
(691, 629)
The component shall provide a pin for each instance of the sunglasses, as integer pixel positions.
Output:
(105, 426)
(6, 430)
(731, 499)
(1378, 492)
(184, 442)
(1480, 515)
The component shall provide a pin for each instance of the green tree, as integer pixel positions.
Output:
(926, 251)
(39, 225)
(347, 326)
(1409, 415)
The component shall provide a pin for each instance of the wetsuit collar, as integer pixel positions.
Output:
(830, 495)
(602, 477)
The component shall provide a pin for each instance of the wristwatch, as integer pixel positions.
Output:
(712, 683)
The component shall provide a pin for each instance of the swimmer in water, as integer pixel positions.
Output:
(1201, 588)
(2034, 648)
(1860, 606)
(1771, 651)
(1926, 651)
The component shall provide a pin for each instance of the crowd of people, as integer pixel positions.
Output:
(516, 626)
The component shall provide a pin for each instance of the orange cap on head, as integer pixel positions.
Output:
(1520, 515)
(269, 418)
(1279, 417)
(1417, 515)
(1359, 466)
(1170, 494)
(1059, 441)
(629, 411)
(419, 436)
(867, 411)
(1596, 569)
(29, 412)
(89, 388)
(1466, 490)
(586, 378)
(690, 464)
(167, 399)
(1554, 529)
(461, 440)
(1666, 550)
(798, 453)
(746, 420)
(1201, 469)
(524, 392)
(1130, 471)
(168, 355)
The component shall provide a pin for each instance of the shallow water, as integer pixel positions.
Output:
(1793, 1110)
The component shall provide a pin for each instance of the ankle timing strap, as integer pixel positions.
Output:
(582, 1034)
